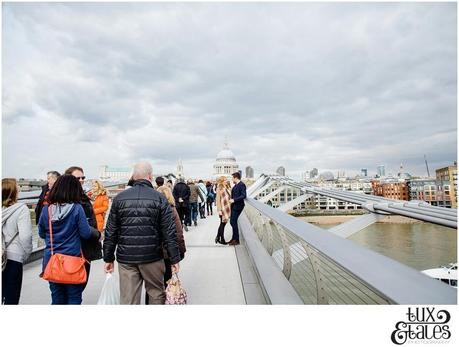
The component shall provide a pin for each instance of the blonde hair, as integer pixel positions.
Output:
(100, 188)
(166, 191)
(221, 182)
(9, 192)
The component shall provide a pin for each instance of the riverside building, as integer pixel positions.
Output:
(107, 173)
(447, 186)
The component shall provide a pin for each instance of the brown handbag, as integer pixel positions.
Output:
(61, 268)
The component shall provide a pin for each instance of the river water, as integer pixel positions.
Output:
(420, 245)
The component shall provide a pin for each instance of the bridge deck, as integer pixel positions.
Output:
(210, 273)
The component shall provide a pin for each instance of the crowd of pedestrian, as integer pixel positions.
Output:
(142, 230)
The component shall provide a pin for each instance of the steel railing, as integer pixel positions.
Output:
(327, 269)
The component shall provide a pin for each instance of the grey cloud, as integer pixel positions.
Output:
(301, 85)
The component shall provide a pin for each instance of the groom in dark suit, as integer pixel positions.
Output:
(238, 194)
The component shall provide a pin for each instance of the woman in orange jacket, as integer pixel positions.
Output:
(99, 198)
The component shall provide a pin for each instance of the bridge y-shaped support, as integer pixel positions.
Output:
(343, 230)
(271, 195)
(261, 181)
(262, 189)
(353, 226)
(291, 204)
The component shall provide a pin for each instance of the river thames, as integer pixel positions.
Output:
(419, 245)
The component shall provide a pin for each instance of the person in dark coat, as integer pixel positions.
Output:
(178, 226)
(130, 183)
(195, 196)
(238, 195)
(52, 176)
(181, 194)
(159, 181)
(210, 198)
(140, 224)
(92, 248)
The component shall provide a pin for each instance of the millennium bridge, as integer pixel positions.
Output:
(284, 260)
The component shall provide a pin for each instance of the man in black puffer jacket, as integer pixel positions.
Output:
(141, 221)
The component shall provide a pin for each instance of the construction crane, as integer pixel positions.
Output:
(427, 166)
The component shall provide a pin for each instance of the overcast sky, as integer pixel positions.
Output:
(333, 86)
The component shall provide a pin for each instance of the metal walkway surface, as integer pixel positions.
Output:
(210, 273)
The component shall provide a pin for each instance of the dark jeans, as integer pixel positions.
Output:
(194, 211)
(221, 230)
(233, 221)
(202, 210)
(188, 216)
(209, 207)
(88, 270)
(66, 294)
(12, 282)
(182, 210)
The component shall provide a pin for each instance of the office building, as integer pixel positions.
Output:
(107, 173)
(447, 186)
(280, 171)
(249, 172)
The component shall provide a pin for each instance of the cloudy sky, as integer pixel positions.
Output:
(332, 86)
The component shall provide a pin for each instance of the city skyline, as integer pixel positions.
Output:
(347, 174)
(335, 86)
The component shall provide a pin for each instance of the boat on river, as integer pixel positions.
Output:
(446, 274)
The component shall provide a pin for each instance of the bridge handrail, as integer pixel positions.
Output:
(38, 192)
(387, 278)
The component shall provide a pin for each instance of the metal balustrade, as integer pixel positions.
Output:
(326, 269)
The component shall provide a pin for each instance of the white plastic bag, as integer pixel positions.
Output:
(110, 294)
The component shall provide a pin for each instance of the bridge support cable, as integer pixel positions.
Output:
(433, 214)
(355, 225)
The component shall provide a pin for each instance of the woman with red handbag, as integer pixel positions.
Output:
(62, 225)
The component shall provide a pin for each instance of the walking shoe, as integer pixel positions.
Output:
(195, 223)
(233, 243)
(186, 228)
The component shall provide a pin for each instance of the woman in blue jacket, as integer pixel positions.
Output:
(69, 226)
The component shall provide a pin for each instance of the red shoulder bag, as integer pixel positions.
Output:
(61, 268)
